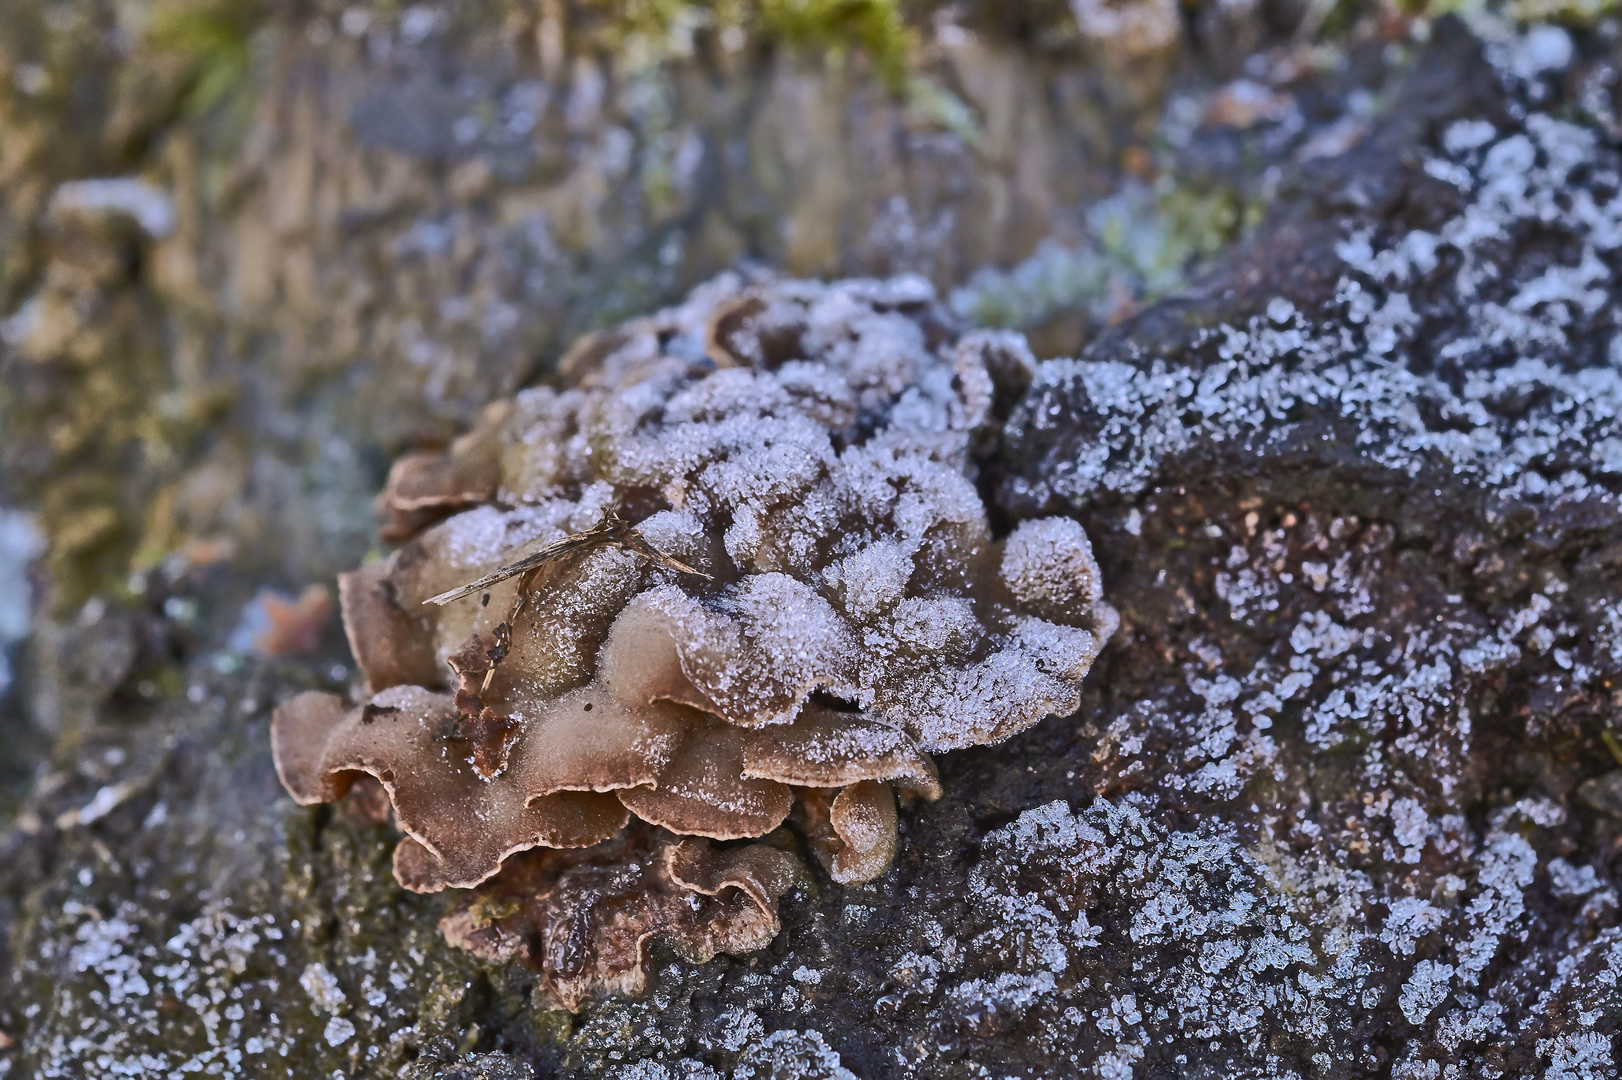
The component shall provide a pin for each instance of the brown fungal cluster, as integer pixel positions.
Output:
(735, 568)
(583, 916)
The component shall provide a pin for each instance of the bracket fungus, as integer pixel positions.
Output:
(567, 708)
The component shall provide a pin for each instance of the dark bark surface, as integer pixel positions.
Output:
(1343, 799)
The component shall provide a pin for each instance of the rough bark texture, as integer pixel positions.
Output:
(1342, 799)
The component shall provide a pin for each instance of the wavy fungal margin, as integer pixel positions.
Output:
(736, 571)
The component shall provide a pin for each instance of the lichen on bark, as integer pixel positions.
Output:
(1340, 800)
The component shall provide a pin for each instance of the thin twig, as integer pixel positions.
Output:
(610, 531)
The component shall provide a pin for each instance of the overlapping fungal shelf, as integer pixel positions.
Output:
(808, 452)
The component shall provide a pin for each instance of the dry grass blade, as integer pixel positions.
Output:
(610, 531)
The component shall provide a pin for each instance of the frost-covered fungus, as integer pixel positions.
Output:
(426, 486)
(739, 558)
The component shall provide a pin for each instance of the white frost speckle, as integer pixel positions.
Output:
(322, 986)
(148, 206)
(1578, 1056)
(20, 544)
(1425, 989)
(338, 1031)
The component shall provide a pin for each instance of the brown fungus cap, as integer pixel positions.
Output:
(810, 603)
(584, 918)
(459, 826)
(426, 486)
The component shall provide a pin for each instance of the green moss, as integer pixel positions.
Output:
(80, 413)
(1579, 13)
(1143, 245)
(934, 102)
(878, 28)
(875, 26)
(1198, 223)
(84, 409)
(213, 37)
(1574, 13)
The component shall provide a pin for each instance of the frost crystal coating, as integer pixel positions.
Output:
(809, 452)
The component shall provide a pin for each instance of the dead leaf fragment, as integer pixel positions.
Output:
(287, 626)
